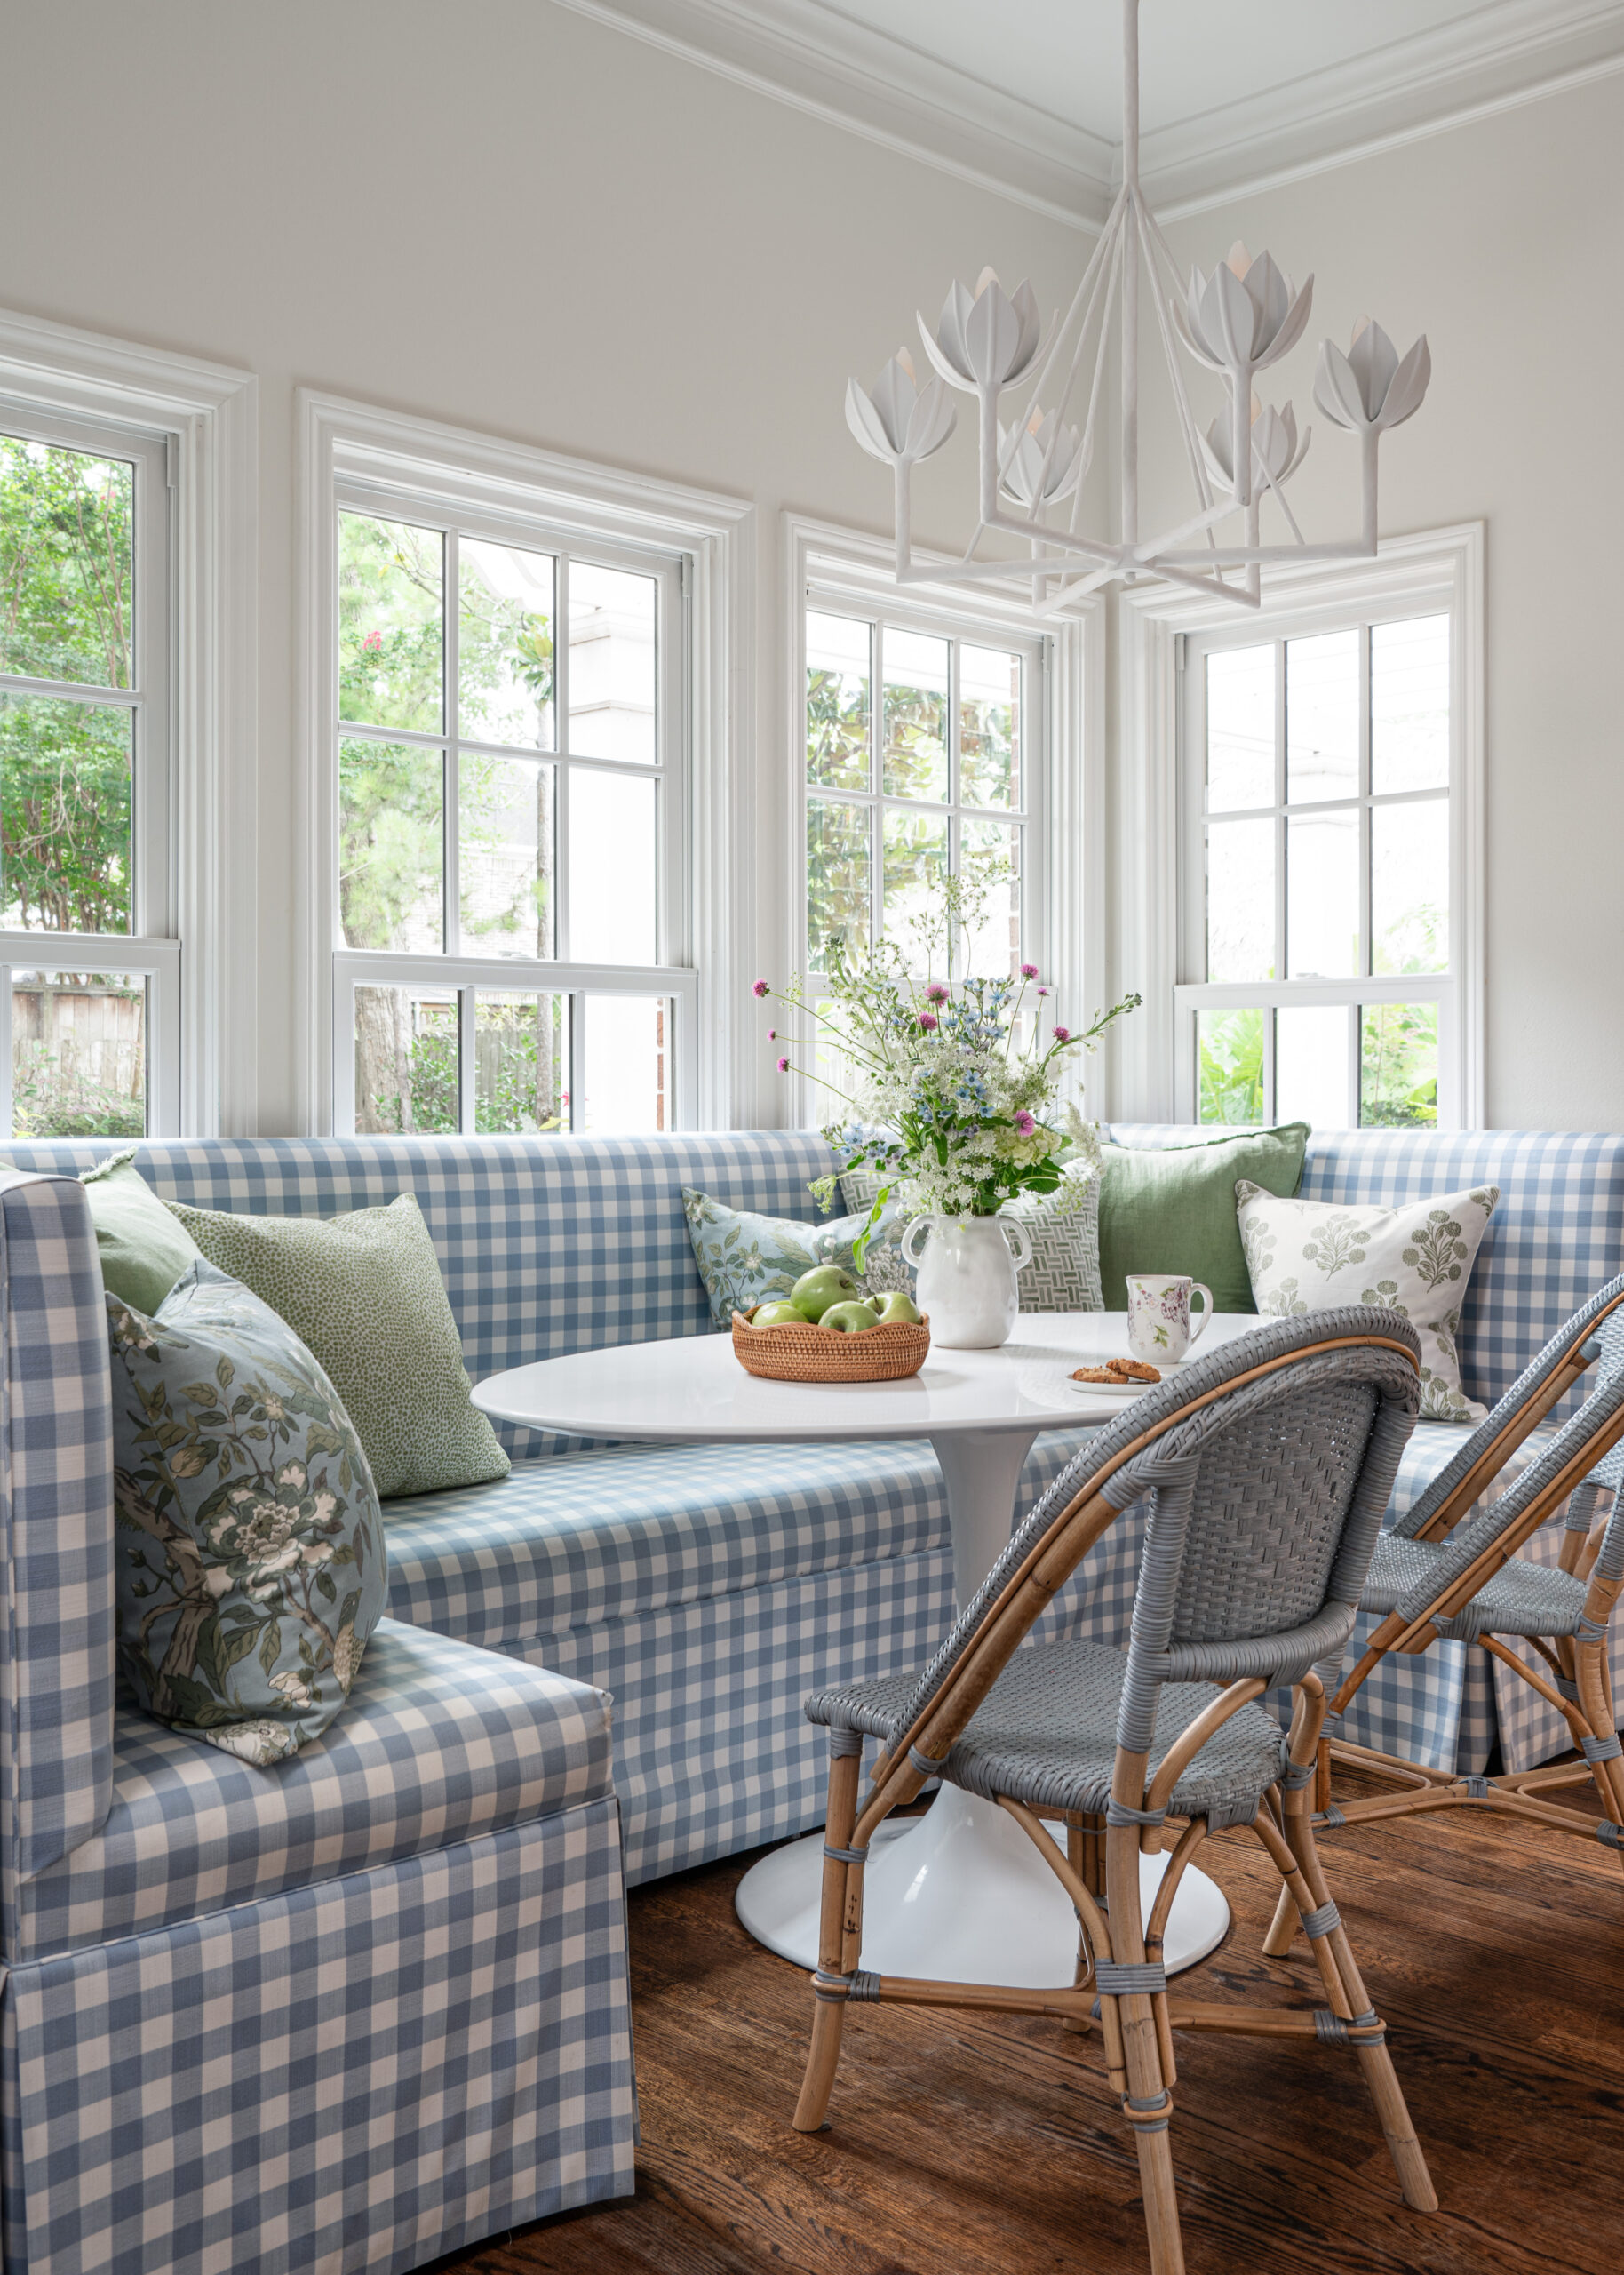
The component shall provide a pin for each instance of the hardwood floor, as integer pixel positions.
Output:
(970, 2146)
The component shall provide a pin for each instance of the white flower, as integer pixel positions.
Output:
(1245, 316)
(1369, 387)
(293, 1687)
(988, 341)
(1025, 478)
(1275, 448)
(895, 422)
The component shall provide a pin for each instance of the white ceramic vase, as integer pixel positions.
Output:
(967, 1277)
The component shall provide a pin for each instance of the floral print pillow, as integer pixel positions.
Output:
(248, 1547)
(745, 1258)
(1312, 1256)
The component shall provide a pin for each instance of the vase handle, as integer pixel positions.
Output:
(1015, 1231)
(907, 1245)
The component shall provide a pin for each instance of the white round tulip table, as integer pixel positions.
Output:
(958, 1895)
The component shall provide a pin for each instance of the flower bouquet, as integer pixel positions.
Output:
(953, 1087)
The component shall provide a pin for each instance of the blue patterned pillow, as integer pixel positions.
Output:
(250, 1555)
(746, 1258)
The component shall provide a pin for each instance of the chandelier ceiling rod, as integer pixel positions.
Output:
(1238, 321)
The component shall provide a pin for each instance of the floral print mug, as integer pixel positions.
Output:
(1158, 1324)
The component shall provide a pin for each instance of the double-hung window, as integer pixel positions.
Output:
(90, 968)
(1321, 871)
(511, 917)
(921, 761)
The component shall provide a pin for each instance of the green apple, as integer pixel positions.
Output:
(782, 1313)
(899, 1309)
(824, 1284)
(849, 1319)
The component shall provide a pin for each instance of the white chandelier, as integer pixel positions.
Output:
(1239, 321)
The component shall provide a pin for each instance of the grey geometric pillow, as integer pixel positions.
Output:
(1064, 1272)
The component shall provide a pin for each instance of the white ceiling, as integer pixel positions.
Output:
(1025, 95)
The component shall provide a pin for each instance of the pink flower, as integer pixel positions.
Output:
(1029, 972)
(936, 993)
(1062, 1035)
(1043, 991)
(927, 1021)
(373, 642)
(772, 1034)
(783, 1065)
(1023, 1122)
(761, 989)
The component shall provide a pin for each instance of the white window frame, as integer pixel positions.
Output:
(1062, 913)
(189, 429)
(1435, 572)
(413, 469)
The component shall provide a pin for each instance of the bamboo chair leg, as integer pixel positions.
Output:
(1148, 2104)
(1080, 1847)
(841, 1917)
(1339, 1969)
(1283, 1928)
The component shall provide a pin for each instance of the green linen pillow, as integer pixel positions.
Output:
(249, 1561)
(746, 1258)
(143, 1249)
(1171, 1208)
(364, 1291)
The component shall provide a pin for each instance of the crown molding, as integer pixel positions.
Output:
(833, 68)
(849, 76)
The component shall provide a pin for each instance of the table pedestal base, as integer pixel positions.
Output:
(960, 1896)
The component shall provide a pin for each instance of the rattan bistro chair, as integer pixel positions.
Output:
(1471, 1586)
(1267, 1468)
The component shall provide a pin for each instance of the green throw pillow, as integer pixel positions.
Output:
(745, 1258)
(364, 1291)
(1171, 1208)
(248, 1556)
(144, 1251)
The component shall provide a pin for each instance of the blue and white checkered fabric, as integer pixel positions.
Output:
(1556, 1236)
(562, 1543)
(56, 1489)
(362, 2074)
(438, 1743)
(547, 1245)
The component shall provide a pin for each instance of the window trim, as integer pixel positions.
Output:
(1410, 575)
(827, 567)
(352, 446)
(203, 974)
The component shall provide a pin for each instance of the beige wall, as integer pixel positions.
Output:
(499, 214)
(502, 215)
(1503, 240)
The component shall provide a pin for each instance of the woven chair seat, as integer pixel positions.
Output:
(1047, 1733)
(1520, 1600)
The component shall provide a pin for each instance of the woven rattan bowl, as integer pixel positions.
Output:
(821, 1354)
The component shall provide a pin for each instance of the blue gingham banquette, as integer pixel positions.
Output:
(359, 2010)
(350, 2012)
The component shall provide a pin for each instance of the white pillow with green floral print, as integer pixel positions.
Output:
(1314, 1255)
(746, 1258)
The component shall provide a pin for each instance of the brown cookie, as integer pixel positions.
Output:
(1097, 1375)
(1133, 1370)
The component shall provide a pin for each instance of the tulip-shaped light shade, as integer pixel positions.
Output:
(987, 340)
(1245, 316)
(1026, 479)
(1276, 452)
(1369, 390)
(895, 422)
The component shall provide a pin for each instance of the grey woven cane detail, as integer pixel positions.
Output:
(1609, 1471)
(1519, 1600)
(1329, 1819)
(1467, 1543)
(1121, 1978)
(1421, 1510)
(1590, 1631)
(928, 1765)
(1321, 1920)
(843, 1743)
(1272, 1340)
(863, 1986)
(1602, 1749)
(1119, 1812)
(1581, 1507)
(846, 1855)
(1329, 2029)
(1296, 1774)
(1565, 1688)
(1611, 1835)
(1476, 1787)
(1046, 1735)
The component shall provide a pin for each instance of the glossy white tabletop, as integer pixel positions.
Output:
(693, 1388)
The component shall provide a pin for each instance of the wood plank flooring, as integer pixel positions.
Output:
(971, 2146)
